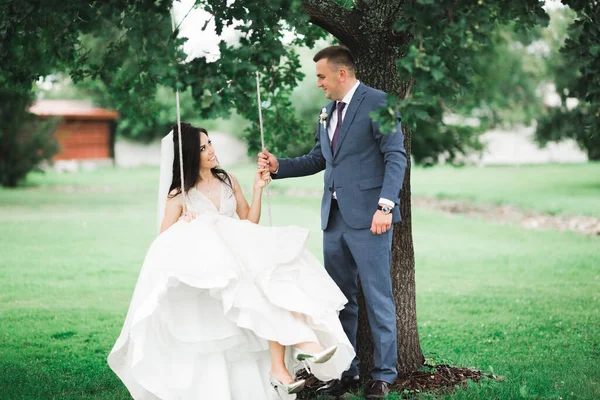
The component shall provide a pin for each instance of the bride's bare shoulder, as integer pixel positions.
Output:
(234, 181)
(174, 197)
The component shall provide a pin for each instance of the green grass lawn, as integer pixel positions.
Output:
(572, 189)
(525, 304)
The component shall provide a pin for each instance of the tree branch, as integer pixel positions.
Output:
(391, 12)
(332, 17)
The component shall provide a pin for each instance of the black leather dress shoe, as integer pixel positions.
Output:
(312, 382)
(376, 389)
(338, 387)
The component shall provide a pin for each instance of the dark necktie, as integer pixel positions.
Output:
(338, 126)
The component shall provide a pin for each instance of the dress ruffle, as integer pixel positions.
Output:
(210, 295)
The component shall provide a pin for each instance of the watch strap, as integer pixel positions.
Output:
(381, 208)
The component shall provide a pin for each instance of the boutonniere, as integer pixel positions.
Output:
(323, 117)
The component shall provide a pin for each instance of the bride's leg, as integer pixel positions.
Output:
(311, 352)
(278, 368)
(308, 347)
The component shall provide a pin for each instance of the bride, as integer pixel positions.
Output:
(225, 308)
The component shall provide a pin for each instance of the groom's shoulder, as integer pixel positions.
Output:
(372, 92)
(375, 95)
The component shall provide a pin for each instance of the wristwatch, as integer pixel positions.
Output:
(385, 209)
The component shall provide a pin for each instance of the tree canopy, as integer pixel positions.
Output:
(576, 76)
(441, 48)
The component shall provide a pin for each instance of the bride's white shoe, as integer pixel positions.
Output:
(319, 358)
(290, 388)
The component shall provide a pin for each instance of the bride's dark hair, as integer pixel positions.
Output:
(190, 141)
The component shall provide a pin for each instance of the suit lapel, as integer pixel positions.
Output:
(325, 143)
(355, 103)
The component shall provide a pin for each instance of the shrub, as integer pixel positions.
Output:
(25, 141)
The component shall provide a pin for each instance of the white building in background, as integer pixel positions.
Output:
(502, 147)
(516, 146)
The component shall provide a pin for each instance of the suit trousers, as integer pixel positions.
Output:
(351, 253)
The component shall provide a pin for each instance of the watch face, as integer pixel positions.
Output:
(386, 209)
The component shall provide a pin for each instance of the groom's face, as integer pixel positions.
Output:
(329, 79)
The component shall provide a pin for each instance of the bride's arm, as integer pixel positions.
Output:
(173, 211)
(245, 211)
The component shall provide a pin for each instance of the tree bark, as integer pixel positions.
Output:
(331, 17)
(376, 49)
(375, 73)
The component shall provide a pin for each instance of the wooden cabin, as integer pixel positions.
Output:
(85, 133)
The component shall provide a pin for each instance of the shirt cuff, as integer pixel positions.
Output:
(387, 202)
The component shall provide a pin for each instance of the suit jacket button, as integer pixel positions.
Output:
(331, 189)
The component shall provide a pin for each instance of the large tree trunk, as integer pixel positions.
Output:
(367, 31)
(381, 74)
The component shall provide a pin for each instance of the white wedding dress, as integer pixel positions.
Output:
(210, 295)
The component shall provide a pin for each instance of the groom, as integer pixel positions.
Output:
(364, 171)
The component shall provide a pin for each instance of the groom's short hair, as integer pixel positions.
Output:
(338, 55)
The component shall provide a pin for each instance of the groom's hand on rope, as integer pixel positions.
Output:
(267, 161)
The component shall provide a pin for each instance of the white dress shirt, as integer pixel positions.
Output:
(334, 119)
(333, 123)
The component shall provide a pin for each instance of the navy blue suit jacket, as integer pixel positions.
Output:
(367, 164)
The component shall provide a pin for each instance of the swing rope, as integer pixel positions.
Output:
(262, 142)
(179, 130)
(178, 108)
